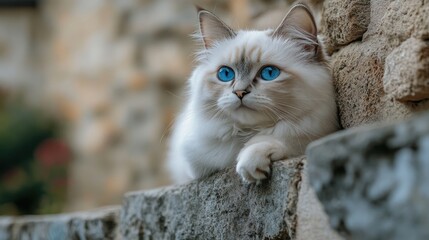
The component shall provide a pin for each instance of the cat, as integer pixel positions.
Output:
(255, 97)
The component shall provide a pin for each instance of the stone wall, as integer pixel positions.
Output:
(19, 71)
(380, 57)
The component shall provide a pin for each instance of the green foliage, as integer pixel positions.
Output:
(24, 180)
(21, 130)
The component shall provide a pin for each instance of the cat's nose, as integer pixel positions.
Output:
(240, 93)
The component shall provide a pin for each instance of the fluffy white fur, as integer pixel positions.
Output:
(275, 121)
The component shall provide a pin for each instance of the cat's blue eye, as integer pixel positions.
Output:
(270, 73)
(225, 74)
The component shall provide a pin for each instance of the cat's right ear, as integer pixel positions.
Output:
(212, 28)
(299, 24)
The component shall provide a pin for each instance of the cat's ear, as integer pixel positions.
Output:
(212, 28)
(299, 24)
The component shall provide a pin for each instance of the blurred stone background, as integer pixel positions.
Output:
(111, 74)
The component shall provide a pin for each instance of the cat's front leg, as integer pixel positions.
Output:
(254, 160)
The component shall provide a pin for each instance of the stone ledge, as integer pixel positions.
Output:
(219, 207)
(373, 181)
(97, 224)
(223, 207)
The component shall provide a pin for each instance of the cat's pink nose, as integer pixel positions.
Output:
(240, 93)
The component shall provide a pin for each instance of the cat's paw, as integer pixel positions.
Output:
(254, 163)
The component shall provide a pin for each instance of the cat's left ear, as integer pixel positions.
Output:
(299, 24)
(212, 28)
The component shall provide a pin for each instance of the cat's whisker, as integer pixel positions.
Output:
(174, 95)
(276, 114)
(166, 130)
(267, 113)
(295, 126)
(286, 105)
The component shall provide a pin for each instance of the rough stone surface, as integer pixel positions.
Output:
(222, 207)
(97, 224)
(344, 22)
(312, 221)
(406, 75)
(355, 71)
(359, 64)
(373, 181)
(219, 207)
(402, 21)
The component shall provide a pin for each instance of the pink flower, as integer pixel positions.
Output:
(52, 152)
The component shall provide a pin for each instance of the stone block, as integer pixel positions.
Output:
(357, 72)
(406, 74)
(312, 221)
(359, 67)
(372, 181)
(344, 22)
(378, 10)
(223, 207)
(219, 207)
(97, 224)
(402, 20)
(421, 23)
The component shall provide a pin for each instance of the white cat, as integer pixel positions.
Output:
(254, 98)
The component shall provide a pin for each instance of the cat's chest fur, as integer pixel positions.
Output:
(216, 144)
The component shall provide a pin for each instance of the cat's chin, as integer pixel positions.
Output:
(243, 107)
(248, 116)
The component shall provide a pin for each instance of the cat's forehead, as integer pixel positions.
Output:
(252, 36)
(245, 40)
(246, 46)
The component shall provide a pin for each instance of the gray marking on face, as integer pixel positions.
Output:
(244, 72)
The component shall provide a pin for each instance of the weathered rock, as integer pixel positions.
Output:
(358, 64)
(378, 10)
(312, 222)
(406, 75)
(223, 207)
(219, 207)
(421, 22)
(357, 72)
(401, 20)
(344, 22)
(97, 224)
(373, 181)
